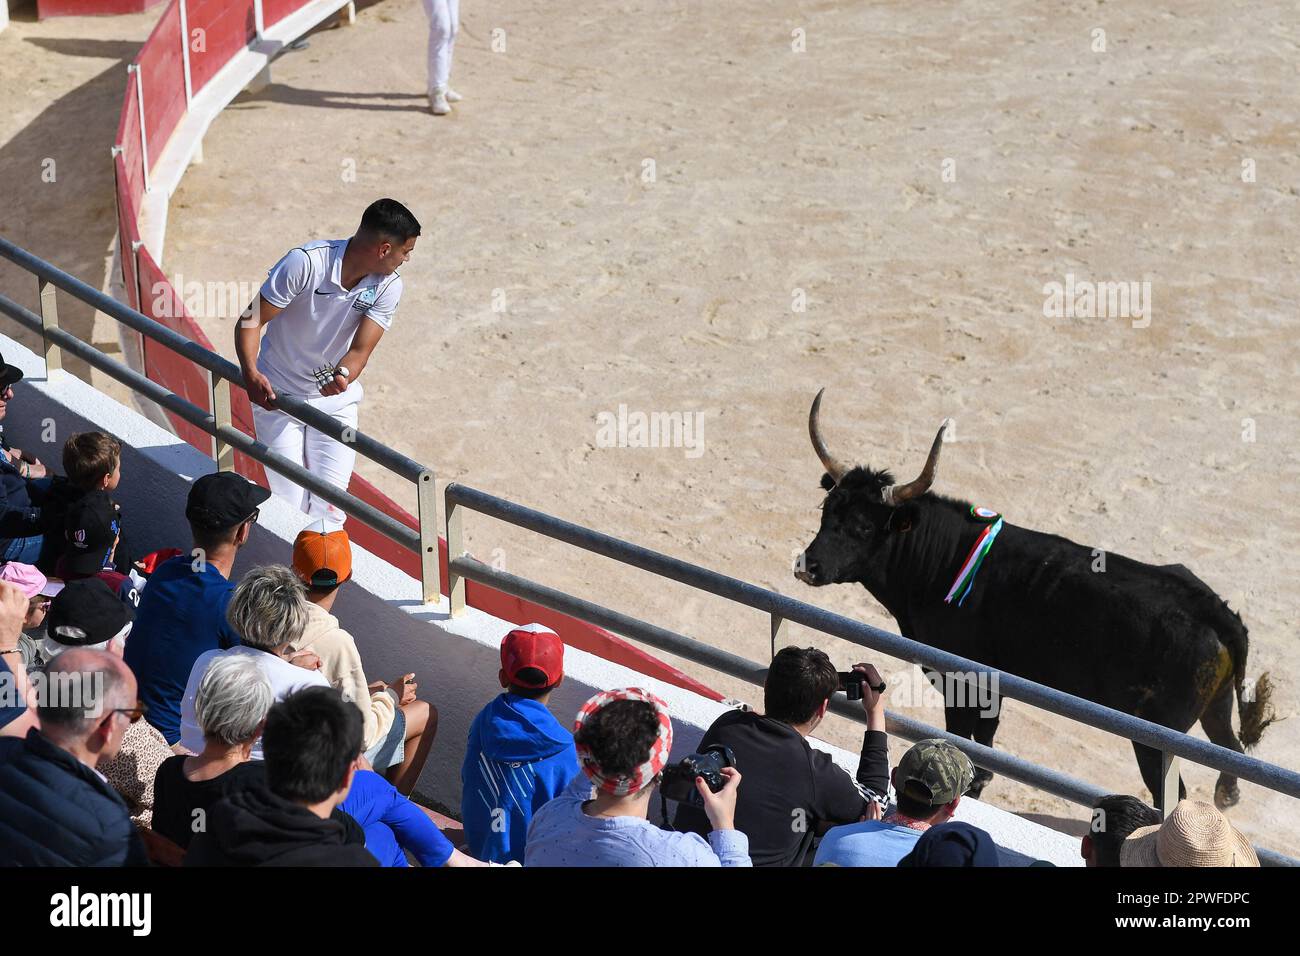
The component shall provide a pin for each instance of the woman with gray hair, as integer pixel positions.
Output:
(230, 705)
(269, 612)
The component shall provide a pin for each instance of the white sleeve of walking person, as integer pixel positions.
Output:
(287, 278)
(386, 303)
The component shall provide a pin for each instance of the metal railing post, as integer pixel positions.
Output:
(185, 52)
(223, 453)
(49, 320)
(455, 549)
(144, 138)
(1167, 799)
(780, 632)
(426, 494)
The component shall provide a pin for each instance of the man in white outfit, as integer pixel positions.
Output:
(444, 23)
(325, 306)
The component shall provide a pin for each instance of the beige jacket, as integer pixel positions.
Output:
(340, 663)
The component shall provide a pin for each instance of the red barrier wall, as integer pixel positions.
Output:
(226, 27)
(162, 72)
(159, 301)
(273, 11)
(126, 220)
(90, 8)
(128, 137)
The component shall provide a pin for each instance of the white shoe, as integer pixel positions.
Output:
(438, 104)
(453, 96)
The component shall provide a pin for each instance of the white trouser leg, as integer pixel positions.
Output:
(284, 435)
(444, 22)
(332, 460)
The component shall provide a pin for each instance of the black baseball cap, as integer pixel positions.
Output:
(9, 374)
(223, 500)
(91, 527)
(86, 613)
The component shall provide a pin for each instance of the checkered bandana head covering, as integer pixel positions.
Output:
(639, 777)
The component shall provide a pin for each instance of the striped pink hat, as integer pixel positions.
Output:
(639, 777)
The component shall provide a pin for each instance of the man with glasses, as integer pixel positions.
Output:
(86, 613)
(56, 808)
(182, 612)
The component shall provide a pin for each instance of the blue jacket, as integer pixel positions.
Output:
(182, 615)
(518, 758)
(393, 823)
(56, 811)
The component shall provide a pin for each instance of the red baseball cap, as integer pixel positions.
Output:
(533, 645)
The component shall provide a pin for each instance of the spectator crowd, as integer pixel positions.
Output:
(154, 709)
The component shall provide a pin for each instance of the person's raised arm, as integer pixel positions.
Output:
(248, 341)
(873, 763)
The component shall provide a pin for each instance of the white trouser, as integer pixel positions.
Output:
(321, 455)
(444, 23)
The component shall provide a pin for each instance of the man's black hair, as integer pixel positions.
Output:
(532, 675)
(798, 680)
(311, 738)
(915, 809)
(213, 539)
(620, 735)
(390, 219)
(1120, 815)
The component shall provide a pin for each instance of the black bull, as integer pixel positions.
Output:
(1155, 642)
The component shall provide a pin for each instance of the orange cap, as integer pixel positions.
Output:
(322, 558)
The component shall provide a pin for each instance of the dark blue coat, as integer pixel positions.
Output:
(56, 811)
(19, 517)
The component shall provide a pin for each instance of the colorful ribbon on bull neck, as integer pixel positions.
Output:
(961, 588)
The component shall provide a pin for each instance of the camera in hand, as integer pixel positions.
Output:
(851, 684)
(678, 780)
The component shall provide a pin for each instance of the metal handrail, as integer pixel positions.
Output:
(227, 438)
(782, 609)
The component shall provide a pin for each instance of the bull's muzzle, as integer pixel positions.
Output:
(808, 571)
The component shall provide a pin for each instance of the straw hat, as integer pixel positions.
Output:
(1195, 834)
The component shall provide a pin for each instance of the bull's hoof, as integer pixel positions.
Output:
(1226, 795)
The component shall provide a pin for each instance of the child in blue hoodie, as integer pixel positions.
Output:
(518, 756)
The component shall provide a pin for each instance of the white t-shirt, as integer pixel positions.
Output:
(285, 678)
(320, 317)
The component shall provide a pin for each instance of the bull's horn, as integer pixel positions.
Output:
(834, 467)
(897, 494)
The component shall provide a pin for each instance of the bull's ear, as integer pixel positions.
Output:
(827, 482)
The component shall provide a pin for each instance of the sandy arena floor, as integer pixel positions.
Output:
(920, 174)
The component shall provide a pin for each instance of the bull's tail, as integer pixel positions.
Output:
(1254, 697)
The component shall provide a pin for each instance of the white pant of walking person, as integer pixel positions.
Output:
(444, 23)
(321, 455)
